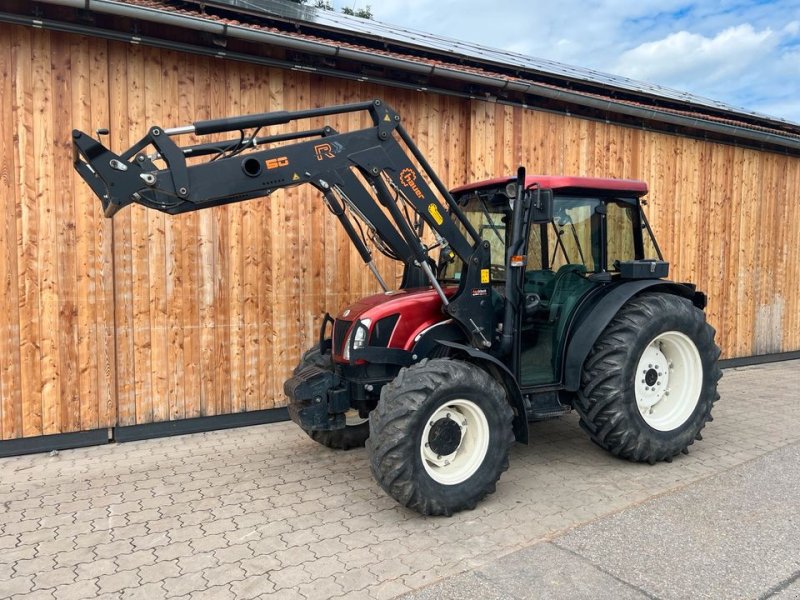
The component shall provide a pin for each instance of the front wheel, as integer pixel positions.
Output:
(650, 381)
(440, 436)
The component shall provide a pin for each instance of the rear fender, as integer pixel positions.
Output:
(595, 316)
(501, 373)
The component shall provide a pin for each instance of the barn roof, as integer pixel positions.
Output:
(339, 45)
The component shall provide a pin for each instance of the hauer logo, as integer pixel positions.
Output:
(409, 179)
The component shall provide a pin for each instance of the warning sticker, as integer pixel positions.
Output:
(485, 276)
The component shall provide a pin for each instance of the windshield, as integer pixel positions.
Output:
(487, 213)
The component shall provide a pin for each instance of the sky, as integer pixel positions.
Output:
(744, 53)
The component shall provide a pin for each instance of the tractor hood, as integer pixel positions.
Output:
(395, 317)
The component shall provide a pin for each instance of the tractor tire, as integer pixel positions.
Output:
(650, 381)
(428, 461)
(356, 430)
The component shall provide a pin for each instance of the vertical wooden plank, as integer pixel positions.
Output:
(105, 360)
(207, 98)
(140, 248)
(747, 276)
(72, 300)
(84, 270)
(121, 288)
(235, 257)
(265, 309)
(792, 224)
(46, 267)
(156, 105)
(174, 228)
(11, 399)
(188, 318)
(251, 239)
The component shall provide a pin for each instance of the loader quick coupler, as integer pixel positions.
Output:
(318, 399)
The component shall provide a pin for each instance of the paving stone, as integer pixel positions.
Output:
(36, 595)
(355, 579)
(96, 568)
(116, 582)
(214, 593)
(232, 554)
(74, 557)
(209, 542)
(139, 558)
(33, 566)
(223, 574)
(151, 540)
(147, 591)
(295, 556)
(159, 571)
(114, 549)
(322, 587)
(252, 586)
(260, 565)
(184, 584)
(197, 562)
(80, 590)
(21, 584)
(289, 577)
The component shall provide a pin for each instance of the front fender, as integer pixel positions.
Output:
(500, 372)
(598, 314)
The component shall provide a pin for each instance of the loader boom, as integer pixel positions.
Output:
(369, 174)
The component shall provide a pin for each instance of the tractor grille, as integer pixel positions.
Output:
(340, 329)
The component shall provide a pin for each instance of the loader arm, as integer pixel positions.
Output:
(250, 167)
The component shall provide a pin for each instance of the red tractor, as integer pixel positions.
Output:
(537, 296)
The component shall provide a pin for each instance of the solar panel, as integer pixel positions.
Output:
(409, 38)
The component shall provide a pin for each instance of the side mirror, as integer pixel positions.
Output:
(541, 205)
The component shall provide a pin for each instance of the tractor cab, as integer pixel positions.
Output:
(593, 233)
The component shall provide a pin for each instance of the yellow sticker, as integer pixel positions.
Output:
(434, 212)
(295, 177)
(387, 118)
(485, 276)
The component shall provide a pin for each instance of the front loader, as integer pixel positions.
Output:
(533, 296)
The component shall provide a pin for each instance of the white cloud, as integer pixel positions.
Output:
(683, 57)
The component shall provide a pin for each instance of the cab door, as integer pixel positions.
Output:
(562, 256)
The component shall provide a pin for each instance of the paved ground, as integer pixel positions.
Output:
(734, 535)
(265, 511)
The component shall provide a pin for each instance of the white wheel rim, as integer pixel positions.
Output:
(353, 419)
(462, 463)
(669, 378)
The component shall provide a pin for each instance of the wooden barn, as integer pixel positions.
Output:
(148, 324)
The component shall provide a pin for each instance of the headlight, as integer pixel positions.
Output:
(358, 336)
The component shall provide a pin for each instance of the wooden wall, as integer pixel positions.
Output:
(150, 318)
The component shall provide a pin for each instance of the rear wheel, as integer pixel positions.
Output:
(650, 381)
(440, 436)
(356, 430)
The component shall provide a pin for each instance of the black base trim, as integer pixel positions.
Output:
(58, 441)
(147, 431)
(759, 359)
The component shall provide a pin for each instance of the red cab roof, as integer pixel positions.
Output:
(559, 182)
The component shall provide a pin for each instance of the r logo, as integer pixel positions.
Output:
(324, 151)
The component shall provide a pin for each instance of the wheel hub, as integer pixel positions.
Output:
(652, 377)
(445, 436)
(454, 441)
(668, 380)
